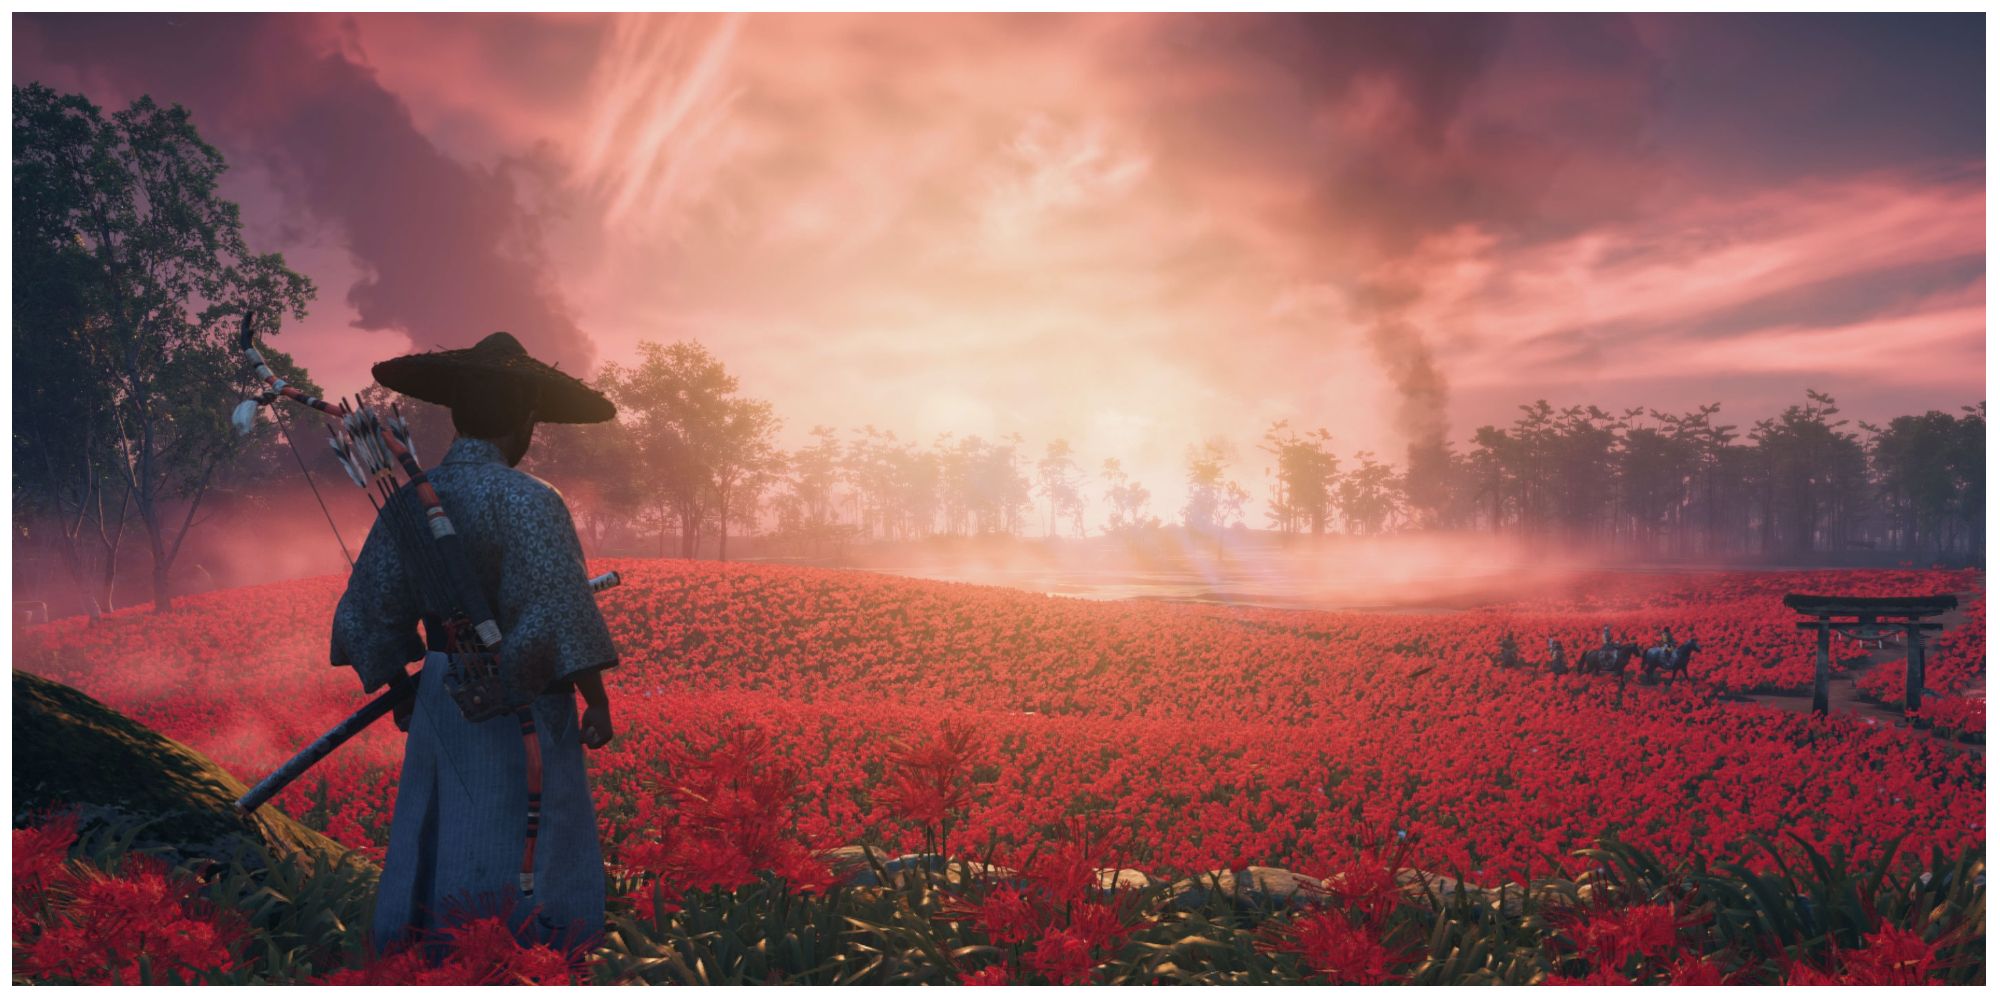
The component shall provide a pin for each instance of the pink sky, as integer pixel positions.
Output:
(1134, 232)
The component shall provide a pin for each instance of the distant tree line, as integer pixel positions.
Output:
(1672, 485)
(700, 461)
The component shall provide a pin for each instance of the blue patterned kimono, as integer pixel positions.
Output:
(456, 840)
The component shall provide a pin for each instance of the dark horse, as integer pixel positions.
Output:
(1670, 661)
(1608, 659)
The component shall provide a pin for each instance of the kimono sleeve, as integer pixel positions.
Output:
(375, 624)
(555, 629)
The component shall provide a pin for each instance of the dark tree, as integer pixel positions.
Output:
(160, 277)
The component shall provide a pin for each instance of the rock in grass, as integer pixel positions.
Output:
(852, 860)
(1256, 886)
(852, 865)
(71, 751)
(1123, 879)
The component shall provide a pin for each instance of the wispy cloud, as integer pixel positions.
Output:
(657, 115)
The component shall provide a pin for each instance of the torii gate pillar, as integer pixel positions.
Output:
(1871, 618)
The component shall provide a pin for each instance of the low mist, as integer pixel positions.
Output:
(244, 541)
(1405, 572)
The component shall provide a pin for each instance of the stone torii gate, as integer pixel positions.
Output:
(1872, 618)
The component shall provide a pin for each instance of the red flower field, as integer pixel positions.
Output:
(843, 708)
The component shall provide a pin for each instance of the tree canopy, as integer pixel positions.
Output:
(142, 276)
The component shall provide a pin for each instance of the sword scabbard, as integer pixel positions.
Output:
(327, 743)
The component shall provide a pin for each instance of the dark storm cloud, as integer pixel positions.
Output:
(1414, 124)
(1774, 97)
(447, 252)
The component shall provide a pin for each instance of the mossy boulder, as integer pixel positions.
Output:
(71, 751)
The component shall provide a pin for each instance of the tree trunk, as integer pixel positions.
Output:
(106, 596)
(73, 561)
(163, 595)
(722, 525)
(165, 551)
(107, 590)
(689, 533)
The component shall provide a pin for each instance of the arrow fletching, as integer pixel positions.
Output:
(364, 433)
(339, 443)
(401, 429)
(244, 419)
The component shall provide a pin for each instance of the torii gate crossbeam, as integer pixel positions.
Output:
(1872, 618)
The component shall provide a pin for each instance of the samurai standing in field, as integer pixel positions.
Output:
(458, 840)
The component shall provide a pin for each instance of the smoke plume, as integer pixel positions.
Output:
(1406, 358)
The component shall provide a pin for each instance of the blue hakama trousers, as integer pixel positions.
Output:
(460, 823)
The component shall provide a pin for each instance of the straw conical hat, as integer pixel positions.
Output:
(436, 377)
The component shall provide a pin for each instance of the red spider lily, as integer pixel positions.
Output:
(731, 819)
(1493, 767)
(1693, 971)
(1005, 916)
(1807, 974)
(1365, 877)
(992, 975)
(1066, 869)
(481, 952)
(1610, 938)
(1104, 926)
(1954, 714)
(1008, 915)
(1892, 956)
(648, 905)
(1062, 956)
(930, 781)
(41, 861)
(138, 927)
(1334, 947)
